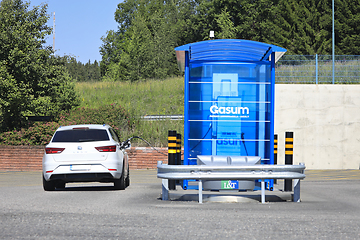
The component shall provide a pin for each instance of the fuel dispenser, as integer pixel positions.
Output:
(229, 105)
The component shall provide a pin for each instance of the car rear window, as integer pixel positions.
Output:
(81, 135)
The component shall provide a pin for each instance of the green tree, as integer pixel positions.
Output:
(227, 27)
(143, 46)
(301, 26)
(305, 27)
(247, 19)
(32, 80)
(114, 58)
(89, 72)
(164, 28)
(347, 27)
(138, 49)
(111, 50)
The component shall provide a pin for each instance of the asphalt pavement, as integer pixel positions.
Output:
(329, 209)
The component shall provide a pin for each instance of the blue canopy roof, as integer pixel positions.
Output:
(229, 50)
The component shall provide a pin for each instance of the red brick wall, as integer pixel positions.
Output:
(143, 158)
(29, 158)
(21, 158)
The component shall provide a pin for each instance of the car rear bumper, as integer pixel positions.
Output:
(83, 172)
(83, 177)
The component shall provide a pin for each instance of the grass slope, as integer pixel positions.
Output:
(152, 97)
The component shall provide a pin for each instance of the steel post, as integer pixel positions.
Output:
(296, 190)
(297, 187)
(165, 189)
(262, 191)
(200, 192)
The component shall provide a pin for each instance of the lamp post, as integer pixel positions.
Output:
(54, 35)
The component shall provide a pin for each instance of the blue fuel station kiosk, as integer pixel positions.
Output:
(229, 101)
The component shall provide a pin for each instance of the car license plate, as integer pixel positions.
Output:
(229, 184)
(80, 167)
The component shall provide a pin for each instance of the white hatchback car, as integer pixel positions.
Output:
(85, 153)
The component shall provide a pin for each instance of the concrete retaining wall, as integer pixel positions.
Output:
(325, 120)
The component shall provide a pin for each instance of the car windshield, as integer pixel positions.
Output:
(81, 135)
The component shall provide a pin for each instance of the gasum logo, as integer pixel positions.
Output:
(229, 110)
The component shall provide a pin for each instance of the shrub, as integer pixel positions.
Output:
(40, 133)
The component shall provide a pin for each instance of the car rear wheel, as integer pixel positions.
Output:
(48, 185)
(120, 184)
(127, 180)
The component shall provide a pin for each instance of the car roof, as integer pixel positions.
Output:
(90, 126)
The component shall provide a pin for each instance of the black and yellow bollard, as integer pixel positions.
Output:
(275, 152)
(178, 152)
(289, 146)
(178, 149)
(172, 155)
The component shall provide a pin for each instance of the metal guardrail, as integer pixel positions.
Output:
(162, 117)
(223, 172)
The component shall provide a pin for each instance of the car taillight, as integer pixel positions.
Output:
(49, 150)
(106, 148)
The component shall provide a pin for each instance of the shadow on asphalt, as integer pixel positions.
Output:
(221, 197)
(86, 189)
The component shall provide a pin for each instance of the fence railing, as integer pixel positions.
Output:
(318, 69)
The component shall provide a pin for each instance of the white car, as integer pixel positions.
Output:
(85, 153)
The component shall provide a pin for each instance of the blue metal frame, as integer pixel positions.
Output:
(186, 116)
(272, 131)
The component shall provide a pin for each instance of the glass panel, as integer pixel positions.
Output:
(229, 109)
(83, 135)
